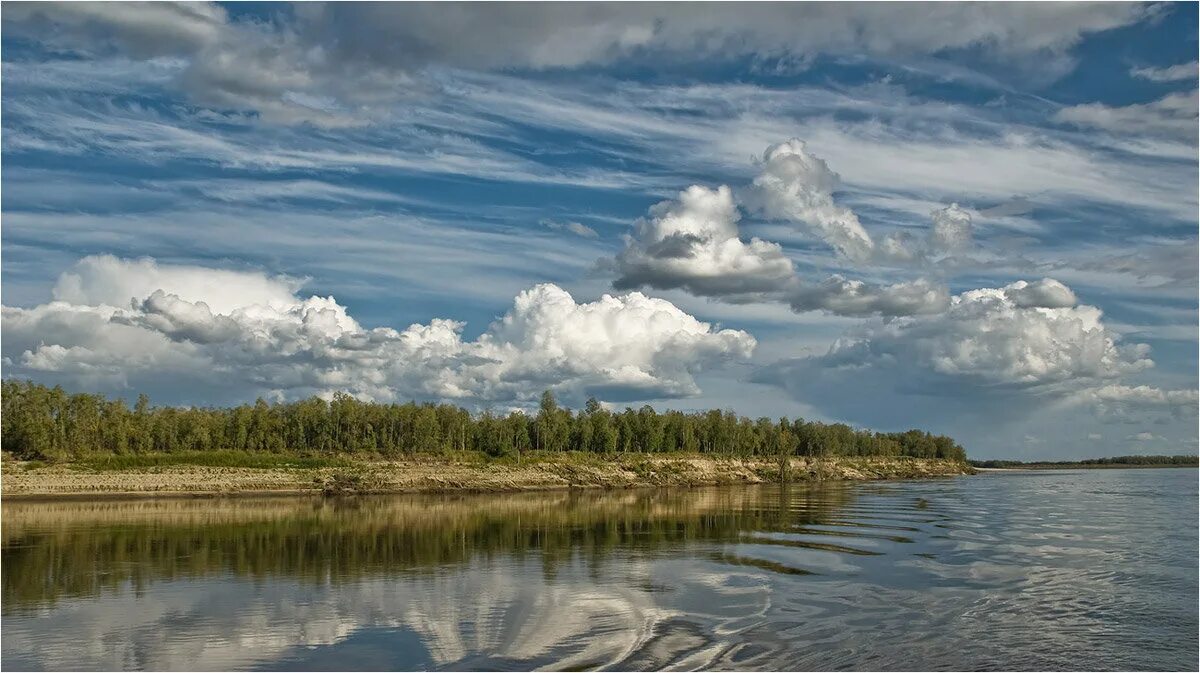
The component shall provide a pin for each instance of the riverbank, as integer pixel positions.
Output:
(430, 475)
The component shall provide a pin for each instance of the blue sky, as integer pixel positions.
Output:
(213, 203)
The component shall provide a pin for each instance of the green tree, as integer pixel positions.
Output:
(48, 424)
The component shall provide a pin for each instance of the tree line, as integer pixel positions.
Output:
(1186, 461)
(42, 423)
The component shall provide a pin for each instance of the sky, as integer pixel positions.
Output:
(975, 219)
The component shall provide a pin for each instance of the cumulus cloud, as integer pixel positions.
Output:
(950, 234)
(85, 345)
(180, 319)
(1172, 115)
(795, 185)
(1006, 336)
(951, 230)
(105, 280)
(117, 320)
(1138, 404)
(855, 298)
(692, 242)
(335, 63)
(1018, 337)
(1174, 73)
(1044, 293)
(987, 370)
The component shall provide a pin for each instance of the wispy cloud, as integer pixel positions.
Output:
(1173, 73)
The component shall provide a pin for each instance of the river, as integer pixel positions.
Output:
(1041, 570)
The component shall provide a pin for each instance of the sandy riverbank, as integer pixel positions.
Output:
(436, 475)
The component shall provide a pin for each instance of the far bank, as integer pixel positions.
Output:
(442, 474)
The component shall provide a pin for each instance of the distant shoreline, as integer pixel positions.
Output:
(430, 475)
(1077, 466)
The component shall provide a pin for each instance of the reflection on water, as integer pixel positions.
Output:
(1046, 570)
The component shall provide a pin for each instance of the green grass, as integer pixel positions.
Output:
(213, 459)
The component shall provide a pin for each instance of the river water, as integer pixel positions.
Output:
(1015, 570)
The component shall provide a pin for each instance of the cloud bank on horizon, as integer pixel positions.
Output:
(955, 229)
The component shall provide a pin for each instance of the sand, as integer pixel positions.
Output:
(19, 480)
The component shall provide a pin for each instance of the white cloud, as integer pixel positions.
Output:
(951, 230)
(946, 162)
(341, 63)
(567, 35)
(577, 228)
(851, 297)
(1185, 399)
(632, 341)
(82, 343)
(1138, 404)
(797, 186)
(1174, 73)
(992, 338)
(105, 280)
(143, 28)
(1143, 437)
(1172, 115)
(987, 371)
(1044, 293)
(1173, 261)
(693, 243)
(218, 325)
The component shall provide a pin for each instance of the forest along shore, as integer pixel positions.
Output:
(30, 479)
(56, 442)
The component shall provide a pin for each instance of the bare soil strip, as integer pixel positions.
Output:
(440, 475)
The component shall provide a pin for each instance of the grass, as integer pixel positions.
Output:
(212, 459)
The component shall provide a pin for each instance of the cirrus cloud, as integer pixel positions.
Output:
(1173, 115)
(342, 63)
(1172, 73)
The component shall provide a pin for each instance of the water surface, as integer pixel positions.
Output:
(1017, 570)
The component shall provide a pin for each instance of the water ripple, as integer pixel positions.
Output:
(1042, 571)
